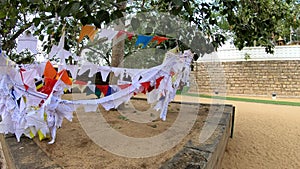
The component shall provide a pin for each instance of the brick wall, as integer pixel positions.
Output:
(248, 77)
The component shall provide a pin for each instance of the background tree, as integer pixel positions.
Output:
(258, 21)
(250, 21)
(48, 17)
(288, 28)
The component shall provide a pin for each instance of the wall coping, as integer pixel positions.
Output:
(255, 53)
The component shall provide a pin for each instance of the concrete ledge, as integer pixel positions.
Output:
(25, 154)
(208, 155)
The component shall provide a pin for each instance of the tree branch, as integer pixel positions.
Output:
(91, 45)
(106, 58)
(25, 27)
(20, 31)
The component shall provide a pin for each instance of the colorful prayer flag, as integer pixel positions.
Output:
(143, 39)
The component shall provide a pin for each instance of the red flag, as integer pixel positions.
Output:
(158, 81)
(124, 86)
(128, 34)
(26, 86)
(159, 39)
(146, 86)
(80, 82)
(49, 84)
(103, 88)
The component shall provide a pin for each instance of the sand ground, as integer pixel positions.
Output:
(265, 136)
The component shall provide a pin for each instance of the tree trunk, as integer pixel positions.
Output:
(118, 47)
(118, 51)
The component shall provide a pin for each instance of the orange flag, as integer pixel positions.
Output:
(49, 71)
(65, 77)
(88, 30)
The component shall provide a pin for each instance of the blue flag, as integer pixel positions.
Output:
(143, 39)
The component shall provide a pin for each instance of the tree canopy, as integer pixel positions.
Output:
(260, 21)
(249, 21)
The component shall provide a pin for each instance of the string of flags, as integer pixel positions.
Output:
(27, 41)
(90, 31)
(31, 101)
(106, 90)
(24, 109)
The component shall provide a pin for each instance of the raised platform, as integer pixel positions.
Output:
(27, 155)
(208, 155)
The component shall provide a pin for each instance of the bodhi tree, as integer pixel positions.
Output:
(259, 22)
(249, 21)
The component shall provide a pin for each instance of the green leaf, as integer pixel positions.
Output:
(149, 30)
(33, 6)
(119, 1)
(178, 2)
(87, 20)
(2, 14)
(79, 15)
(24, 2)
(102, 16)
(176, 10)
(41, 37)
(49, 8)
(84, 20)
(49, 31)
(135, 23)
(36, 21)
(69, 8)
(74, 7)
(116, 15)
(188, 8)
(97, 23)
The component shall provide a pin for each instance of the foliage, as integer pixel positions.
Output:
(144, 59)
(24, 57)
(250, 21)
(258, 21)
(247, 56)
(180, 33)
(291, 24)
(48, 17)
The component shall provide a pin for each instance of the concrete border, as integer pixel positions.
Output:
(6, 153)
(208, 155)
(25, 154)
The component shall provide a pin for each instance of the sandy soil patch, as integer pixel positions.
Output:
(73, 149)
(265, 136)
